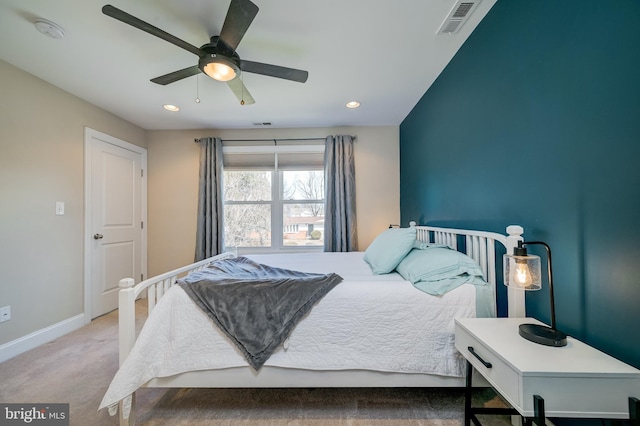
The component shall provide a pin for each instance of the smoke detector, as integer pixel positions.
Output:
(48, 28)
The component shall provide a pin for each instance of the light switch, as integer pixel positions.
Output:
(59, 208)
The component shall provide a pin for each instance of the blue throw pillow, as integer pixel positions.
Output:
(389, 248)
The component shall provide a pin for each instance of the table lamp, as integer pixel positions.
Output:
(522, 271)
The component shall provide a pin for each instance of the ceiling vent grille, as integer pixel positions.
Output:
(458, 16)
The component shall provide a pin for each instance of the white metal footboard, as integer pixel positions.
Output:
(156, 287)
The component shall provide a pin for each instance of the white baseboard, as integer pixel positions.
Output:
(37, 338)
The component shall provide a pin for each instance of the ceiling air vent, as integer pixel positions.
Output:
(458, 16)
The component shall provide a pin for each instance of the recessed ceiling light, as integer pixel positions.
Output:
(353, 104)
(171, 108)
(48, 28)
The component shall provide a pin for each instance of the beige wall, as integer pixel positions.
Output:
(41, 162)
(173, 182)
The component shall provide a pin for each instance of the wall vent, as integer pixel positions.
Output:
(458, 16)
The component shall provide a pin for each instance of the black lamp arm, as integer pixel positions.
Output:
(550, 272)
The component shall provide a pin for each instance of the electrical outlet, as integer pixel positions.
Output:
(5, 313)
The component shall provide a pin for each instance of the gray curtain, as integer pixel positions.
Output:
(340, 194)
(210, 232)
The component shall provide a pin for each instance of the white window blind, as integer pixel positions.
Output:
(286, 157)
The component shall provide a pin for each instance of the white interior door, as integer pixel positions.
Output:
(115, 215)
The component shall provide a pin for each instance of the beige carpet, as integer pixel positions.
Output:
(78, 367)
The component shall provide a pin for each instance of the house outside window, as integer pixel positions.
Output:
(274, 198)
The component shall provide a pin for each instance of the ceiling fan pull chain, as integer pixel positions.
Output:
(197, 89)
(242, 81)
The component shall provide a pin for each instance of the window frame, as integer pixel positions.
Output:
(277, 202)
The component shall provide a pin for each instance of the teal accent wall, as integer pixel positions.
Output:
(536, 121)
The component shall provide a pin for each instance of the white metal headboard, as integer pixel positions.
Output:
(481, 247)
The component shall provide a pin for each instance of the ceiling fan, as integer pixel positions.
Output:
(218, 58)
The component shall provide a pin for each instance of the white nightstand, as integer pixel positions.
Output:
(574, 381)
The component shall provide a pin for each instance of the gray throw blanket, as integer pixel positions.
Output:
(256, 305)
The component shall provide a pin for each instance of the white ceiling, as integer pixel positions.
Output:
(383, 53)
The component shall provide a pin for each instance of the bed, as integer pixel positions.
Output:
(376, 328)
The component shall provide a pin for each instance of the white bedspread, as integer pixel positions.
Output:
(367, 322)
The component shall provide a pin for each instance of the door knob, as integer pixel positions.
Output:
(97, 236)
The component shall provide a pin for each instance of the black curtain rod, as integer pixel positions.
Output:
(269, 140)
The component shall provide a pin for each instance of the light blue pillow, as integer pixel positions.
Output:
(389, 248)
(440, 287)
(437, 269)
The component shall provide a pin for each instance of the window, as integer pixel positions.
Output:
(274, 198)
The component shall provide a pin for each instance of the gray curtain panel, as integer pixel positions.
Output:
(340, 197)
(210, 232)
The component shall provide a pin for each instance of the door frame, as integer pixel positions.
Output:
(89, 135)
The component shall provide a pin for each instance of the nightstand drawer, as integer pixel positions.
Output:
(500, 374)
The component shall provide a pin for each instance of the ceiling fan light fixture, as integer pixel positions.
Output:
(219, 68)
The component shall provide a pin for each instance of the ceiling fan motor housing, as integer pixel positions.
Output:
(211, 57)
